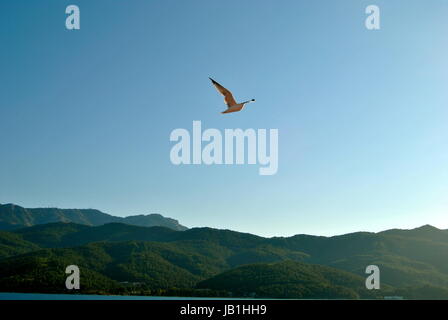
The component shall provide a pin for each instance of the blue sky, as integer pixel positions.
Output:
(362, 115)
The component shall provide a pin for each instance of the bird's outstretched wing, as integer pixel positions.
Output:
(228, 98)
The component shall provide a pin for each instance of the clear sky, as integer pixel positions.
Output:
(362, 115)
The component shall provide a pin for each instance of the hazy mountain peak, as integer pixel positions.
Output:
(427, 227)
(154, 219)
(13, 217)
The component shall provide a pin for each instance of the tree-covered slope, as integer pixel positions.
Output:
(164, 258)
(289, 279)
(12, 244)
(418, 256)
(103, 266)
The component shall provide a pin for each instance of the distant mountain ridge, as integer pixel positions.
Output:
(121, 258)
(117, 257)
(14, 217)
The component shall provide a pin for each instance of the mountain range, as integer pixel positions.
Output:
(14, 217)
(121, 258)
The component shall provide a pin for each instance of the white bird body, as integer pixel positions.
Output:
(232, 105)
(235, 108)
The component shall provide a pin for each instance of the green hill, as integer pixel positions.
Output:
(289, 280)
(44, 271)
(159, 258)
(418, 256)
(408, 256)
(177, 264)
(149, 264)
(12, 244)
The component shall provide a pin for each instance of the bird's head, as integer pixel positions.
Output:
(248, 101)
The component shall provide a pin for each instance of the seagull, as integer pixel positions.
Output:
(232, 105)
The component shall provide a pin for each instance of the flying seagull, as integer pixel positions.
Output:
(232, 105)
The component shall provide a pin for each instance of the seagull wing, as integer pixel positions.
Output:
(228, 98)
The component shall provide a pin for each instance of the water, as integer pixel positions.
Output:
(48, 296)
